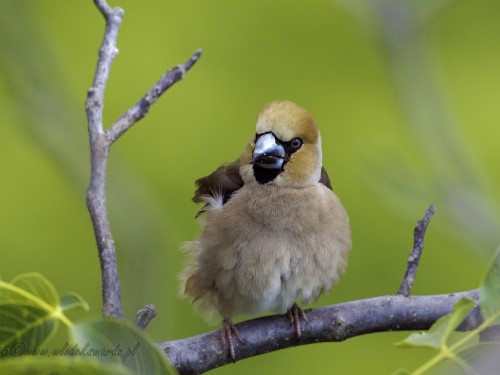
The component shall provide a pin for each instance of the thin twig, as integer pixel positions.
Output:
(141, 108)
(144, 316)
(100, 143)
(334, 323)
(416, 252)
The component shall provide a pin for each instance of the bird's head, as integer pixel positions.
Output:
(286, 149)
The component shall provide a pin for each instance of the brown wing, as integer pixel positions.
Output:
(324, 179)
(224, 181)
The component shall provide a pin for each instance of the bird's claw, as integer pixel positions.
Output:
(228, 329)
(295, 315)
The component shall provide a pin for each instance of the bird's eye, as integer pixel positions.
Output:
(296, 143)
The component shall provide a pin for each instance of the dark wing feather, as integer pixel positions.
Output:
(224, 181)
(324, 179)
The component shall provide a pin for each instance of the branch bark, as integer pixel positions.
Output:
(101, 141)
(335, 323)
(99, 148)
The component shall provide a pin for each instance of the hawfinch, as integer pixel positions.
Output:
(274, 231)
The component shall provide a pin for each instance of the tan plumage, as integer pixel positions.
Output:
(274, 231)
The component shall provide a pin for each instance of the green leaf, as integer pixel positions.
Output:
(441, 330)
(60, 366)
(25, 327)
(110, 340)
(490, 291)
(29, 311)
(72, 301)
(38, 286)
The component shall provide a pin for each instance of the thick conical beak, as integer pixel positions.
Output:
(268, 152)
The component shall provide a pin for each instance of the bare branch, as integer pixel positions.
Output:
(144, 316)
(99, 147)
(416, 252)
(107, 53)
(326, 324)
(100, 142)
(141, 108)
(104, 8)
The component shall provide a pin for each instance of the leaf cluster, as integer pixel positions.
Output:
(30, 313)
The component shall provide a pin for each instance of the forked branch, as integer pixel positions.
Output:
(100, 143)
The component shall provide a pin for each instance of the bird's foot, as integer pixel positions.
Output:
(296, 314)
(228, 329)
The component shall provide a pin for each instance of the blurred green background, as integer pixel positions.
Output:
(406, 94)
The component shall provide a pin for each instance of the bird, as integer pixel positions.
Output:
(274, 232)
